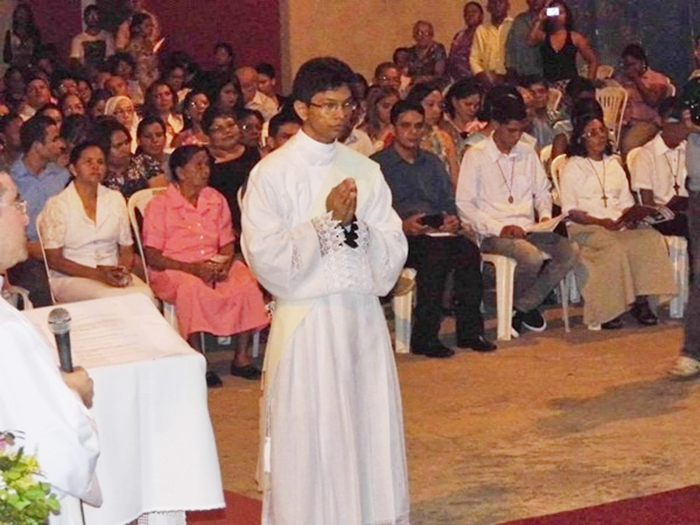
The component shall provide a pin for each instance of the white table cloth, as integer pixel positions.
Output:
(158, 452)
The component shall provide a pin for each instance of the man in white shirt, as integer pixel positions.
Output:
(488, 54)
(252, 97)
(320, 234)
(502, 188)
(659, 170)
(47, 408)
(94, 45)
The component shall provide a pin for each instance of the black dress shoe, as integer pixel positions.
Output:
(478, 344)
(213, 380)
(615, 324)
(246, 372)
(435, 350)
(643, 314)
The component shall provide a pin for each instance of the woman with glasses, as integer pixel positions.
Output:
(251, 124)
(435, 140)
(122, 110)
(195, 105)
(232, 159)
(427, 58)
(86, 234)
(621, 262)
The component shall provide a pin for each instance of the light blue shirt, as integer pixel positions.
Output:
(37, 188)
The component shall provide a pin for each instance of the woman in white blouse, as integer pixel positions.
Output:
(86, 236)
(619, 264)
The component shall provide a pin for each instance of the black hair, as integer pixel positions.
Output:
(50, 105)
(220, 85)
(211, 114)
(92, 7)
(576, 147)
(267, 69)
(187, 102)
(122, 56)
(395, 54)
(404, 106)
(136, 20)
(530, 80)
(245, 112)
(321, 74)
(78, 150)
(421, 90)
(286, 116)
(182, 155)
(228, 47)
(477, 4)
(379, 70)
(635, 51)
(578, 85)
(103, 130)
(463, 88)
(584, 108)
(492, 96)
(97, 96)
(77, 129)
(149, 120)
(508, 108)
(671, 107)
(6, 119)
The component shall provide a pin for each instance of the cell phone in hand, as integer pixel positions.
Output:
(552, 11)
(433, 221)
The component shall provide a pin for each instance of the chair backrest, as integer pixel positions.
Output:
(546, 155)
(613, 100)
(137, 207)
(43, 255)
(556, 168)
(604, 72)
(554, 99)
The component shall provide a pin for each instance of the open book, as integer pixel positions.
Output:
(545, 226)
(646, 214)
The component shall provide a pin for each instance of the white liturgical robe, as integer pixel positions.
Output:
(334, 447)
(55, 425)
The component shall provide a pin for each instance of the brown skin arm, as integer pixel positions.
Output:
(205, 270)
(584, 47)
(110, 275)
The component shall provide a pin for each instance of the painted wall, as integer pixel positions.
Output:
(362, 32)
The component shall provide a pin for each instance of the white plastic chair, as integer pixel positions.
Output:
(613, 100)
(17, 295)
(505, 279)
(554, 100)
(43, 255)
(678, 253)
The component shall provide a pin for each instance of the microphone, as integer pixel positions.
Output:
(59, 323)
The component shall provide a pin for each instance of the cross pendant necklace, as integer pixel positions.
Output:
(674, 174)
(604, 198)
(505, 181)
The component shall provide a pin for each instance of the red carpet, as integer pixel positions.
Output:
(239, 511)
(675, 507)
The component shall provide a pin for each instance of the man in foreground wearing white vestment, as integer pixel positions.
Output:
(320, 234)
(45, 407)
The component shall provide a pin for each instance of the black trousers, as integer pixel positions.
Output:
(31, 274)
(434, 258)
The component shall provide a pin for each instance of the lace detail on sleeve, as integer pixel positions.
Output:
(52, 225)
(330, 236)
(297, 261)
(345, 268)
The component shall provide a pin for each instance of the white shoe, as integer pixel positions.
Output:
(685, 367)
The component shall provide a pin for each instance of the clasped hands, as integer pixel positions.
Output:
(413, 225)
(212, 271)
(117, 276)
(342, 202)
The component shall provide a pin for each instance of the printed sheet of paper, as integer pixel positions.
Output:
(114, 331)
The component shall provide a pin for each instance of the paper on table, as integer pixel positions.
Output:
(114, 330)
(547, 225)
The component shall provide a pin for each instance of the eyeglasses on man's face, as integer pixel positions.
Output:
(331, 107)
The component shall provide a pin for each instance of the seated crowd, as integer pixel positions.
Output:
(458, 135)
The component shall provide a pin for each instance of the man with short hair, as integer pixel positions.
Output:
(117, 86)
(38, 95)
(658, 172)
(320, 234)
(488, 54)
(252, 97)
(461, 47)
(94, 45)
(267, 83)
(522, 58)
(541, 124)
(283, 127)
(423, 198)
(39, 403)
(502, 188)
(37, 177)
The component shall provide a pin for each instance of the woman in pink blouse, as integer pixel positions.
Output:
(189, 245)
